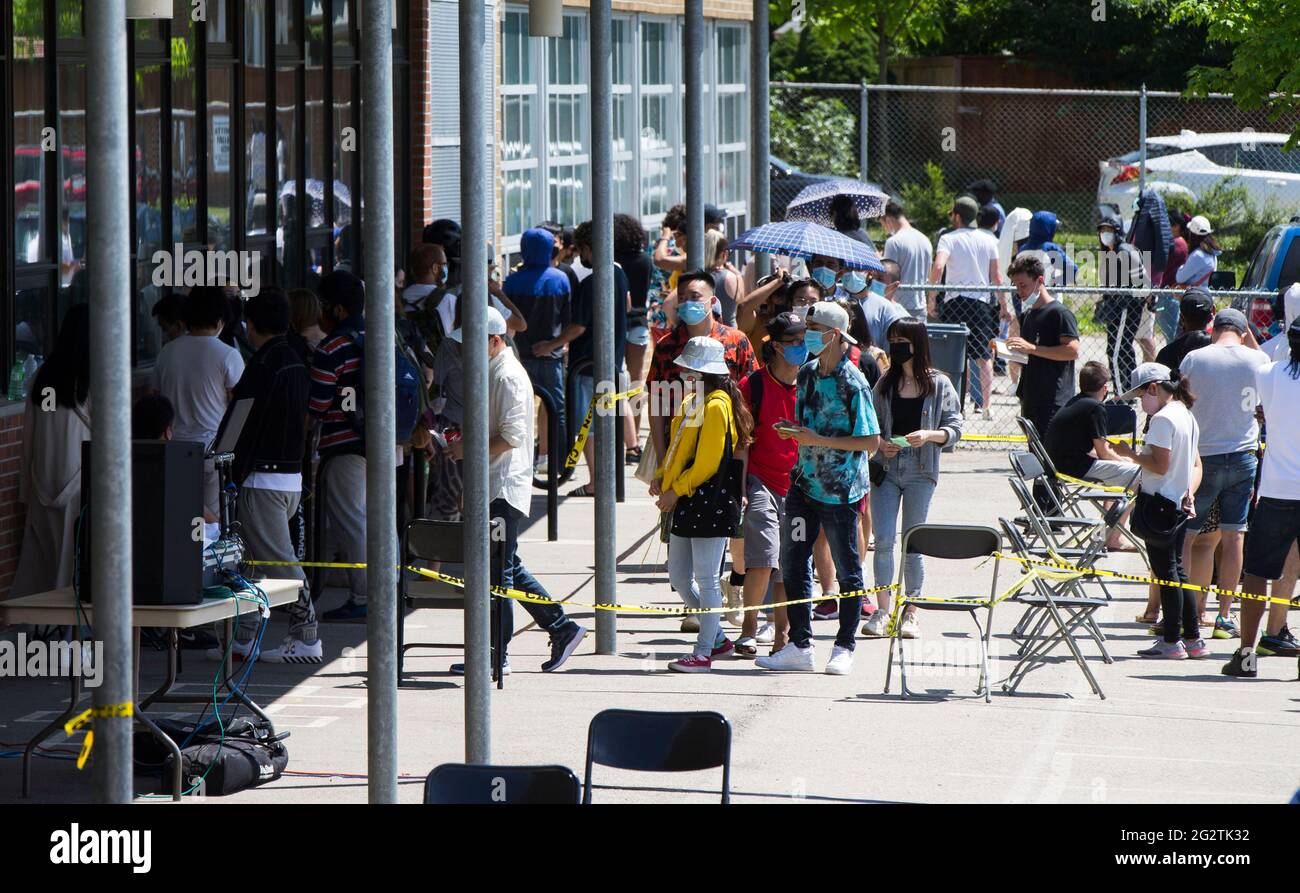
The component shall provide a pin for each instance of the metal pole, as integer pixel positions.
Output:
(475, 131)
(1142, 141)
(606, 369)
(863, 132)
(693, 79)
(760, 114)
(108, 254)
(381, 410)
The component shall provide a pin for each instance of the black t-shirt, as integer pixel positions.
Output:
(1071, 433)
(1047, 382)
(1172, 354)
(584, 346)
(640, 273)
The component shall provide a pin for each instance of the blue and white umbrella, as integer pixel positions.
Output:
(813, 203)
(799, 239)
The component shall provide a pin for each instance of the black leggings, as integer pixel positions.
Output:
(1178, 606)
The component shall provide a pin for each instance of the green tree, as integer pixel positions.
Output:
(857, 38)
(1264, 71)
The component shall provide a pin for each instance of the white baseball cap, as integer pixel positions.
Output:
(833, 316)
(1145, 375)
(703, 354)
(1199, 226)
(496, 325)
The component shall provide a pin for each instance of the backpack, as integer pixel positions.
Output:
(406, 390)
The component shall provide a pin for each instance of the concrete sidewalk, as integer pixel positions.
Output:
(1166, 732)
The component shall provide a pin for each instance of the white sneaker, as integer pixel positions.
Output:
(691, 623)
(877, 625)
(841, 662)
(988, 414)
(240, 651)
(909, 628)
(295, 651)
(791, 658)
(540, 467)
(766, 634)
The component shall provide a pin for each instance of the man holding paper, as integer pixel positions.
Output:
(1049, 336)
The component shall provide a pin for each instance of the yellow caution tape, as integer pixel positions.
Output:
(604, 401)
(1020, 438)
(87, 717)
(1091, 485)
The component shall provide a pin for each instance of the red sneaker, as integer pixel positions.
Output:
(827, 610)
(692, 663)
(724, 649)
(867, 607)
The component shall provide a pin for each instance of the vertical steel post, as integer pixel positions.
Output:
(606, 366)
(108, 254)
(693, 80)
(864, 155)
(760, 115)
(379, 242)
(475, 129)
(1142, 142)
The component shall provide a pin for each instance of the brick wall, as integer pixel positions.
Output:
(12, 513)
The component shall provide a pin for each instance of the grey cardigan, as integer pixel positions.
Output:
(939, 412)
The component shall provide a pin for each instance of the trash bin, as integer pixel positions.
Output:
(948, 353)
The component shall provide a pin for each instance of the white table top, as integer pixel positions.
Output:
(57, 608)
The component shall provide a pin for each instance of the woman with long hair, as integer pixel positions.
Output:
(1171, 472)
(1203, 254)
(56, 421)
(916, 402)
(699, 484)
(727, 285)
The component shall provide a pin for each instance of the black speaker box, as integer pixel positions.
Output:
(166, 498)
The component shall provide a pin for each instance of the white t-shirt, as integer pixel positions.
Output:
(1175, 429)
(194, 372)
(1222, 376)
(1279, 394)
(447, 310)
(970, 253)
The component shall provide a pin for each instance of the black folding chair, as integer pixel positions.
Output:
(1045, 625)
(1121, 421)
(653, 741)
(1067, 497)
(950, 542)
(462, 784)
(425, 541)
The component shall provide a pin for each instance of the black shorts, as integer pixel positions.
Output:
(980, 317)
(1274, 529)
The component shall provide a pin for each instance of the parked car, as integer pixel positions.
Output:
(1190, 163)
(787, 181)
(1274, 267)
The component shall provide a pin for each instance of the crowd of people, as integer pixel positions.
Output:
(794, 422)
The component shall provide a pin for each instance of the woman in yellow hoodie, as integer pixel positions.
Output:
(699, 483)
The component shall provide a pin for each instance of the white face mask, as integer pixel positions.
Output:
(1109, 239)
(802, 313)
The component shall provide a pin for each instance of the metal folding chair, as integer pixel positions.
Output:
(951, 542)
(1057, 611)
(1069, 498)
(654, 741)
(461, 784)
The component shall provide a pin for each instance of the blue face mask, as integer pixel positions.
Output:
(853, 282)
(692, 312)
(877, 287)
(824, 276)
(795, 354)
(814, 342)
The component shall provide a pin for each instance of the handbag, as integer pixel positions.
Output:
(714, 508)
(649, 464)
(1156, 518)
(876, 471)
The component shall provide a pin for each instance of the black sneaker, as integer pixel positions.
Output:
(563, 644)
(199, 639)
(1284, 644)
(1241, 665)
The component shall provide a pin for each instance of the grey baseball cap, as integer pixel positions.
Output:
(1231, 318)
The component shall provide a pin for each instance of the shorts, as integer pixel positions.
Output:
(1229, 479)
(764, 511)
(640, 335)
(1210, 523)
(1275, 530)
(1111, 473)
(583, 390)
(980, 317)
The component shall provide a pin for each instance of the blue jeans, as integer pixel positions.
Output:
(506, 518)
(804, 518)
(1229, 478)
(547, 376)
(693, 564)
(907, 488)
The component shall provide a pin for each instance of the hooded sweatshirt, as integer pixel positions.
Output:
(1122, 267)
(1042, 228)
(1277, 347)
(1151, 231)
(540, 291)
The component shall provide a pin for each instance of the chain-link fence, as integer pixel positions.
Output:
(1075, 153)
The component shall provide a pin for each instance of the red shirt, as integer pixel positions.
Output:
(736, 350)
(770, 456)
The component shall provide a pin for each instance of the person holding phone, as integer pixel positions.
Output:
(920, 416)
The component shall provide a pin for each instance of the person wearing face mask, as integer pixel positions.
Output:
(510, 486)
(770, 394)
(825, 271)
(1171, 474)
(836, 430)
(869, 290)
(1120, 266)
(910, 249)
(918, 402)
(803, 294)
(699, 483)
(1049, 335)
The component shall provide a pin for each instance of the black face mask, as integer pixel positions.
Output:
(899, 352)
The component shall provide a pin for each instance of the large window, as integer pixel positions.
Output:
(568, 122)
(658, 132)
(732, 119)
(519, 151)
(624, 77)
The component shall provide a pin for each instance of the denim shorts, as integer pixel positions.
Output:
(1229, 478)
(1275, 531)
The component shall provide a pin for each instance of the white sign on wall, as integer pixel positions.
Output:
(221, 144)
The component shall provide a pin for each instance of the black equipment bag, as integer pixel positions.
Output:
(247, 757)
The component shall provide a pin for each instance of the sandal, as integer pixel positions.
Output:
(1147, 618)
(632, 456)
(744, 648)
(584, 491)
